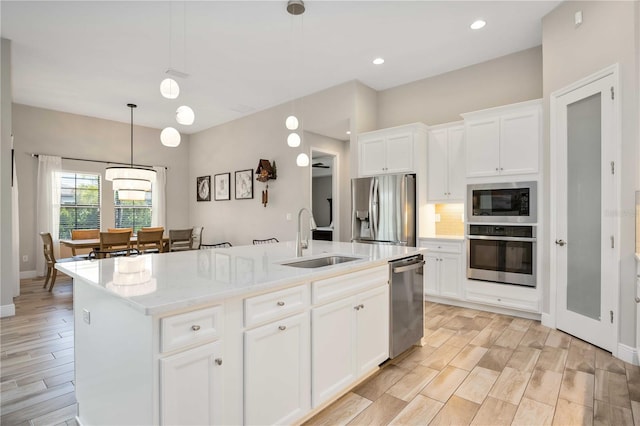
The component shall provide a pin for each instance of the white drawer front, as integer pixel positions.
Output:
(275, 305)
(343, 285)
(189, 328)
(448, 247)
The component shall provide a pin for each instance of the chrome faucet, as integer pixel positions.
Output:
(303, 244)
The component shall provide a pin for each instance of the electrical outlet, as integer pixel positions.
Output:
(86, 316)
(437, 217)
(25, 258)
(289, 217)
(577, 18)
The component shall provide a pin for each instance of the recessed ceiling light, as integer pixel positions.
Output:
(348, 132)
(378, 61)
(478, 24)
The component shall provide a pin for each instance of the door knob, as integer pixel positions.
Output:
(637, 299)
(561, 243)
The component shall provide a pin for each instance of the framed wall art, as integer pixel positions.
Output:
(221, 186)
(244, 184)
(203, 188)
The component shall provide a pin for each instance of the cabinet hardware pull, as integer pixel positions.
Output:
(281, 303)
(357, 307)
(218, 361)
(361, 306)
(195, 327)
(282, 327)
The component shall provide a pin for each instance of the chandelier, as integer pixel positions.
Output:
(131, 182)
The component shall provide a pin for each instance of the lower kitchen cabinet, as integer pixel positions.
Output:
(191, 390)
(350, 338)
(277, 371)
(443, 269)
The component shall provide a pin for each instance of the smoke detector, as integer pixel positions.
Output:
(295, 7)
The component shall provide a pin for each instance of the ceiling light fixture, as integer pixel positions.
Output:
(476, 25)
(131, 182)
(185, 115)
(170, 137)
(295, 7)
(378, 61)
(169, 88)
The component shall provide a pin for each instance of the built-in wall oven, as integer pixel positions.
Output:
(514, 202)
(502, 253)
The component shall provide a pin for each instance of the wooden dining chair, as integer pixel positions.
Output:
(150, 241)
(51, 260)
(196, 237)
(180, 239)
(266, 241)
(114, 244)
(83, 234)
(225, 244)
(130, 230)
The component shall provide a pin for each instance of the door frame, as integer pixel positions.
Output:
(612, 70)
(335, 186)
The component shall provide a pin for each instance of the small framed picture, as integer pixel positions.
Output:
(203, 188)
(244, 184)
(221, 186)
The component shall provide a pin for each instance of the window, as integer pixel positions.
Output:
(79, 202)
(133, 214)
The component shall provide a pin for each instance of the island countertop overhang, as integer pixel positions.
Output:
(174, 281)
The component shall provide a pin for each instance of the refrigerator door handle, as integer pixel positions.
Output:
(374, 203)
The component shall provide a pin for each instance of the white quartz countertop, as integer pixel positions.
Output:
(160, 283)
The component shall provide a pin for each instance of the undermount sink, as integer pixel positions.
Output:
(319, 262)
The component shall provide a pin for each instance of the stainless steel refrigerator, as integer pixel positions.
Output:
(383, 209)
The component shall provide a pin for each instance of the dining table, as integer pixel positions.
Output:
(94, 243)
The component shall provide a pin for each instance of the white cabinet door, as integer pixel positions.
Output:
(437, 182)
(372, 325)
(372, 156)
(483, 147)
(191, 390)
(456, 164)
(519, 141)
(449, 275)
(277, 371)
(332, 345)
(399, 153)
(431, 273)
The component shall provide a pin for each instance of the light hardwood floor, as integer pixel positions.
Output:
(477, 368)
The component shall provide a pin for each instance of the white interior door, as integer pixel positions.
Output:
(585, 237)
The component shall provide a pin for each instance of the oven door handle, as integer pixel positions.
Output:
(488, 237)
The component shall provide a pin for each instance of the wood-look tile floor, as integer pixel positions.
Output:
(477, 368)
(481, 368)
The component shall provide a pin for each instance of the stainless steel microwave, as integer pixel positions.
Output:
(514, 202)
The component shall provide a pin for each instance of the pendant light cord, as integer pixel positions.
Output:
(132, 106)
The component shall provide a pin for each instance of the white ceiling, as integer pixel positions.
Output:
(92, 58)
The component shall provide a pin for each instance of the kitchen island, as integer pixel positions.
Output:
(227, 336)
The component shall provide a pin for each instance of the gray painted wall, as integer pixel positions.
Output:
(441, 99)
(8, 272)
(608, 35)
(43, 131)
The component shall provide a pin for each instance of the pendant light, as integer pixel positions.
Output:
(131, 182)
(295, 8)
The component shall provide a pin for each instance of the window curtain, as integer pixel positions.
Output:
(47, 205)
(159, 198)
(15, 226)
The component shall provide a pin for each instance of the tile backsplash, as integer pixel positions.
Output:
(451, 219)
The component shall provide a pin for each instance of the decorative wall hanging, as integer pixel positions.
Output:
(203, 188)
(266, 172)
(221, 186)
(244, 184)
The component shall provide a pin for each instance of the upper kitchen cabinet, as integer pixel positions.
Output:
(446, 163)
(391, 150)
(505, 140)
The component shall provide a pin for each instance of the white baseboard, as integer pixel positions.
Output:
(548, 320)
(628, 354)
(483, 307)
(28, 274)
(7, 310)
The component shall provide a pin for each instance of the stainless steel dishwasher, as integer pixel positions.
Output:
(406, 325)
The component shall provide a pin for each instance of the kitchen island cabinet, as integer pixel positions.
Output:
(220, 336)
